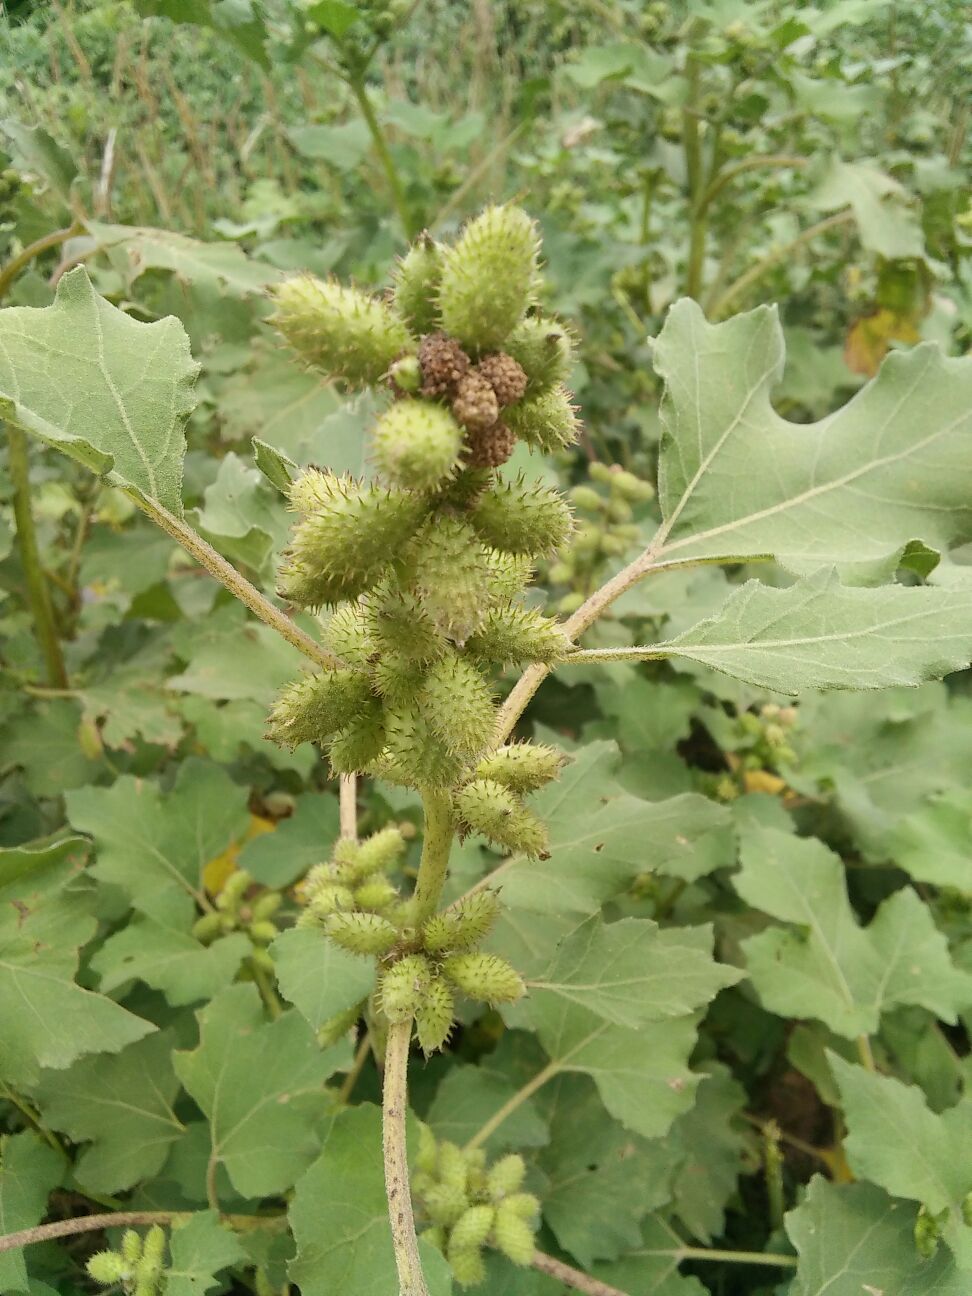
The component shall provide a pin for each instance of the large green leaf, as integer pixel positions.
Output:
(122, 1105)
(736, 480)
(630, 972)
(853, 1241)
(155, 846)
(29, 1170)
(105, 389)
(199, 1248)
(318, 977)
(819, 634)
(249, 1077)
(221, 266)
(830, 967)
(169, 959)
(46, 1020)
(652, 1268)
(339, 1217)
(895, 1140)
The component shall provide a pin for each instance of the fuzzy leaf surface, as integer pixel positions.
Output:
(830, 967)
(339, 1217)
(896, 1141)
(105, 389)
(29, 1170)
(169, 960)
(819, 634)
(198, 1249)
(318, 977)
(248, 1076)
(852, 1239)
(737, 480)
(122, 1105)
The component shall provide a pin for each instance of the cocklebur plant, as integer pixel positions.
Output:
(416, 581)
(137, 1268)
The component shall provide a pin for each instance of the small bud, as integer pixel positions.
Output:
(467, 1267)
(356, 746)
(405, 375)
(513, 1235)
(404, 986)
(472, 1228)
(620, 511)
(542, 348)
(927, 1234)
(434, 1017)
(453, 1168)
(233, 891)
(489, 277)
(208, 928)
(267, 905)
(517, 517)
(547, 422)
(587, 498)
(491, 809)
(328, 898)
(505, 1176)
(313, 707)
(511, 634)
(339, 330)
(107, 1267)
(463, 925)
(630, 487)
(263, 932)
(522, 767)
(484, 976)
(361, 933)
(457, 702)
(380, 852)
(416, 285)
(417, 444)
(131, 1246)
(347, 635)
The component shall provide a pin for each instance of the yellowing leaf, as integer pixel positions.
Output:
(869, 339)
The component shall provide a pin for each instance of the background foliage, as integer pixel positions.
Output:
(740, 154)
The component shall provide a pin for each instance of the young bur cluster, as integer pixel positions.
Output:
(424, 567)
(470, 1206)
(137, 1268)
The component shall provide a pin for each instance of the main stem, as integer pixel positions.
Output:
(38, 595)
(411, 1280)
(434, 865)
(693, 170)
(360, 92)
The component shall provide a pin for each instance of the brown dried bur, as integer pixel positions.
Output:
(505, 376)
(489, 448)
(475, 404)
(443, 363)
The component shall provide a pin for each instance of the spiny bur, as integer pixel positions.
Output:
(404, 987)
(450, 575)
(512, 1233)
(486, 806)
(416, 285)
(434, 1016)
(339, 330)
(358, 744)
(463, 925)
(312, 708)
(542, 348)
(511, 634)
(489, 277)
(361, 933)
(484, 976)
(547, 421)
(521, 767)
(458, 704)
(520, 518)
(416, 444)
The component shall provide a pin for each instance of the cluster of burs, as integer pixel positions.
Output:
(138, 1266)
(425, 566)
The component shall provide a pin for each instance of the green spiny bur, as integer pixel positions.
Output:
(463, 925)
(484, 976)
(397, 679)
(445, 1204)
(488, 807)
(416, 285)
(520, 518)
(458, 705)
(414, 755)
(472, 1228)
(450, 575)
(521, 767)
(416, 444)
(435, 1015)
(312, 708)
(489, 277)
(108, 1267)
(347, 634)
(547, 421)
(339, 330)
(403, 987)
(375, 895)
(511, 634)
(512, 1235)
(542, 348)
(505, 1176)
(509, 574)
(342, 548)
(467, 1266)
(354, 747)
(361, 933)
(398, 623)
(381, 851)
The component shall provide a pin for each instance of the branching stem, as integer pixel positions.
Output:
(411, 1281)
(572, 1277)
(127, 1219)
(510, 1106)
(238, 585)
(434, 865)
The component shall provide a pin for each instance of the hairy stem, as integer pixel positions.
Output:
(348, 802)
(238, 585)
(726, 177)
(572, 1277)
(731, 1257)
(127, 1219)
(268, 994)
(38, 594)
(411, 1280)
(434, 865)
(23, 258)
